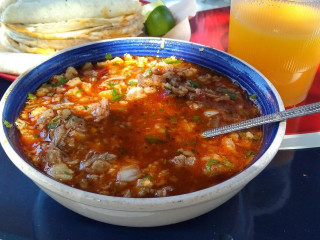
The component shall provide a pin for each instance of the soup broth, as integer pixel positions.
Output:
(130, 126)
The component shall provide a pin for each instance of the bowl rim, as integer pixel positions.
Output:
(142, 204)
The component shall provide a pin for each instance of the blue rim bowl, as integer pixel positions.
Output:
(161, 211)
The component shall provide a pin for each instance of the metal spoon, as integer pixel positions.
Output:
(269, 118)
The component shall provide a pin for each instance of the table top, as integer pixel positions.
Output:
(280, 203)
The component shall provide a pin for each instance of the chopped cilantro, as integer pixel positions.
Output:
(228, 164)
(194, 84)
(167, 133)
(78, 91)
(116, 95)
(61, 81)
(133, 83)
(256, 138)
(218, 162)
(108, 56)
(253, 96)
(232, 95)
(195, 118)
(112, 84)
(31, 96)
(147, 73)
(85, 107)
(242, 134)
(50, 94)
(154, 139)
(249, 153)
(148, 176)
(54, 122)
(173, 120)
(7, 124)
(210, 163)
(161, 110)
(122, 151)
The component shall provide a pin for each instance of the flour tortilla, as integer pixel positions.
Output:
(18, 42)
(49, 11)
(77, 28)
(76, 24)
(42, 43)
(5, 3)
(42, 48)
(47, 26)
(59, 44)
(91, 33)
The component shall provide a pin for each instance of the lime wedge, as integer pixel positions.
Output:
(159, 22)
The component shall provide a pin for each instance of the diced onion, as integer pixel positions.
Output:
(210, 113)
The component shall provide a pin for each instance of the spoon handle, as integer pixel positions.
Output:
(269, 118)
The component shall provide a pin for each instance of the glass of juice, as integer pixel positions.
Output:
(280, 38)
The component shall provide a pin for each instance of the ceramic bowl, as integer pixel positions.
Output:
(145, 211)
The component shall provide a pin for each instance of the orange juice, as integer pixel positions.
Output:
(279, 38)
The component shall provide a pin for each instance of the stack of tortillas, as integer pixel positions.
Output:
(46, 26)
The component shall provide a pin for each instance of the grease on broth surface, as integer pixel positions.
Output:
(130, 126)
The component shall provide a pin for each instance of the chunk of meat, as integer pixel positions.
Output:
(51, 154)
(45, 118)
(163, 192)
(97, 161)
(59, 134)
(183, 161)
(99, 110)
(76, 122)
(67, 131)
(64, 113)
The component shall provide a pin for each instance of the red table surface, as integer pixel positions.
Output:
(211, 28)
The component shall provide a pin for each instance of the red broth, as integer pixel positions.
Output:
(131, 127)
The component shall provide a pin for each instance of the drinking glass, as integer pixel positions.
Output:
(280, 38)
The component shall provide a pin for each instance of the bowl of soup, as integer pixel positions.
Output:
(112, 129)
